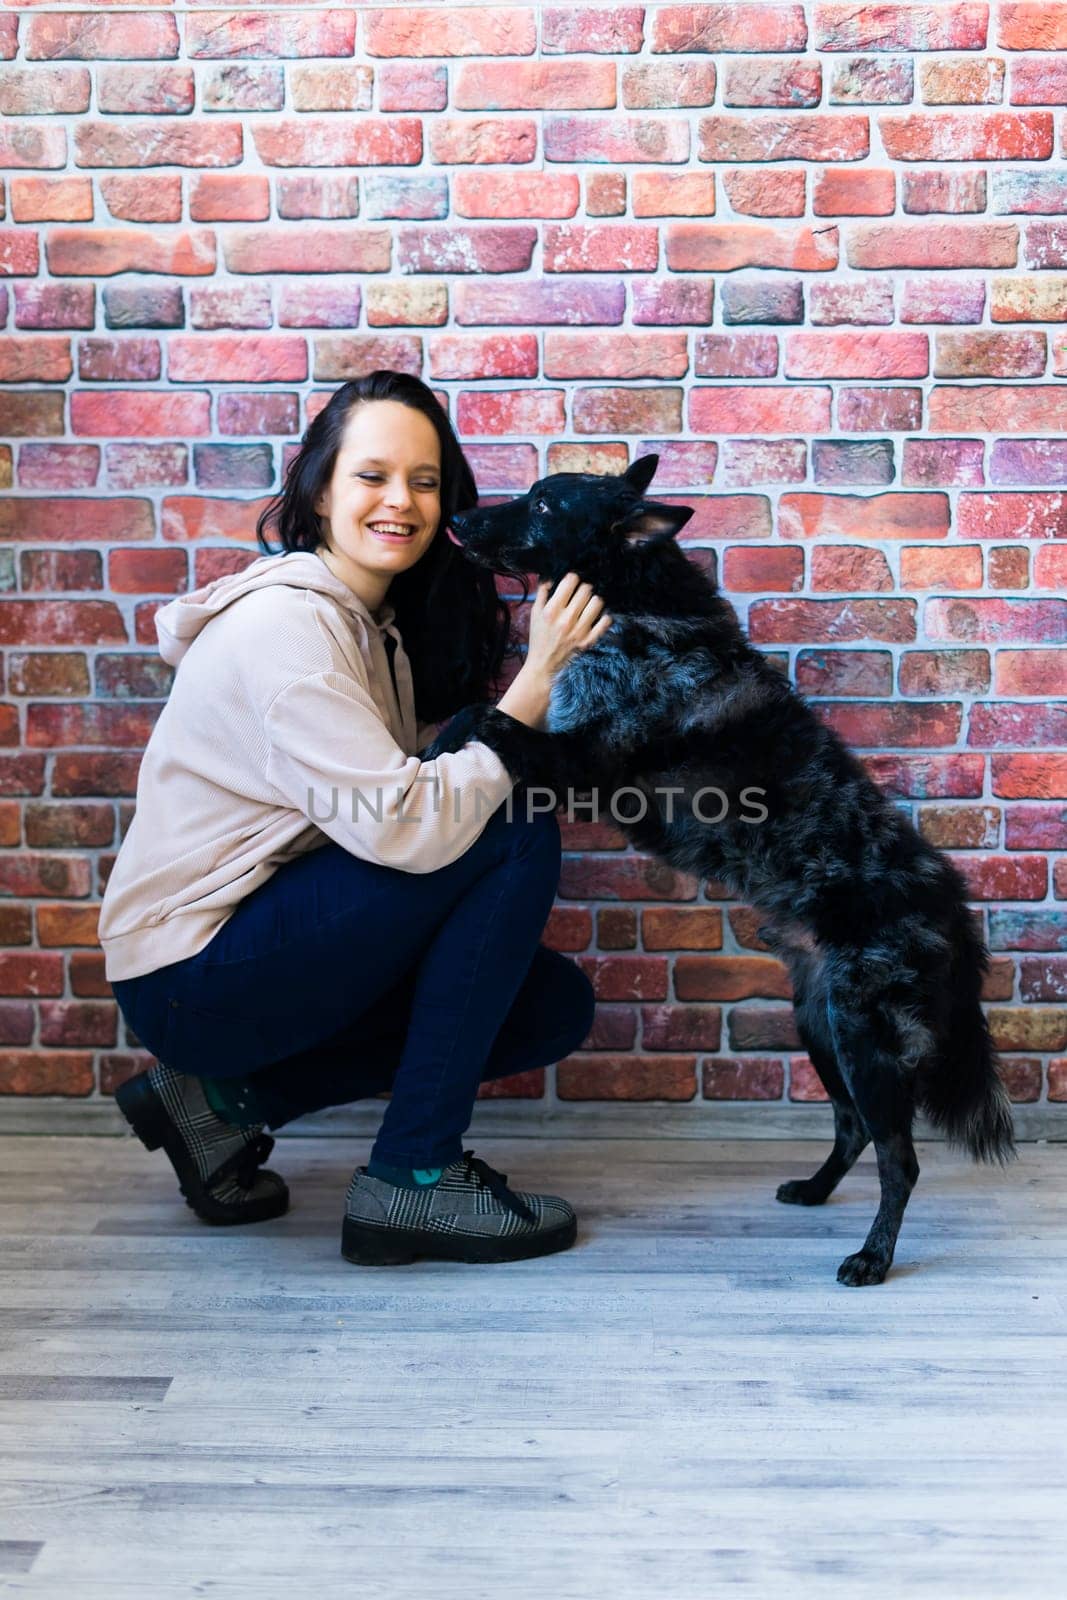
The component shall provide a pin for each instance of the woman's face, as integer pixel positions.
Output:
(382, 505)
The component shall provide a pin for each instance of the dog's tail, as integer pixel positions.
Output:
(961, 1092)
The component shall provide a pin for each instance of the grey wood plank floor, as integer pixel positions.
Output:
(684, 1404)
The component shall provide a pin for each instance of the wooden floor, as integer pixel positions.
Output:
(684, 1404)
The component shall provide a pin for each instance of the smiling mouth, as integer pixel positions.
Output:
(391, 530)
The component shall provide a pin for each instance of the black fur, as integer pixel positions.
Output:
(871, 920)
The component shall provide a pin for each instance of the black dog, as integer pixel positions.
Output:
(673, 705)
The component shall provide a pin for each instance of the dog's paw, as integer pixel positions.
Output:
(862, 1269)
(800, 1192)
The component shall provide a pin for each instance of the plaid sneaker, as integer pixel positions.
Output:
(470, 1214)
(217, 1163)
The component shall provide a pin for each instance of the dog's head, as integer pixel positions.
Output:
(572, 522)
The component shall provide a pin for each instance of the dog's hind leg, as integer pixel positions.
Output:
(850, 1136)
(882, 1094)
(850, 1140)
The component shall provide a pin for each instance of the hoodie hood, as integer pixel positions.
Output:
(180, 622)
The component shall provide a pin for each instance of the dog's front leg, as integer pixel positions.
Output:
(532, 756)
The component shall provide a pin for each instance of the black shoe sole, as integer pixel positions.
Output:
(151, 1122)
(367, 1246)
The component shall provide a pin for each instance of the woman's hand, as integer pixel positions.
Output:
(568, 618)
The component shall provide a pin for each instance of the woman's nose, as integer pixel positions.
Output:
(397, 494)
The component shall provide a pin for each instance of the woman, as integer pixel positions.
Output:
(304, 912)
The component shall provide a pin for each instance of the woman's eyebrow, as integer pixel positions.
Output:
(376, 461)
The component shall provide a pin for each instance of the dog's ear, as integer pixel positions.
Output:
(641, 472)
(651, 522)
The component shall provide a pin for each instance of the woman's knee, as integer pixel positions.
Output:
(570, 1001)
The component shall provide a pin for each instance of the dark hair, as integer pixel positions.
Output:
(455, 628)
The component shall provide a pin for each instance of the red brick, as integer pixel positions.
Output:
(940, 190)
(759, 409)
(844, 672)
(1008, 567)
(888, 516)
(742, 355)
(89, 773)
(831, 621)
(510, 411)
(59, 466)
(148, 571)
(338, 142)
(838, 192)
(969, 136)
(932, 672)
(626, 977)
(60, 622)
(1025, 776)
(16, 1023)
(1043, 978)
(194, 517)
(804, 1082)
(451, 31)
(762, 1028)
(82, 252)
(119, 360)
(88, 36)
(46, 1072)
(674, 1027)
(51, 200)
(1017, 877)
(43, 360)
(615, 139)
(226, 197)
(339, 86)
(534, 85)
(673, 194)
(994, 620)
(613, 31)
(727, 246)
(19, 253)
(847, 26)
(1026, 724)
(1036, 828)
(955, 567)
(607, 247)
(270, 34)
(21, 774)
(605, 194)
(849, 569)
(1033, 515)
(932, 244)
(113, 725)
(666, 85)
(682, 928)
(743, 1078)
(628, 878)
(30, 973)
(973, 82)
(319, 250)
(515, 194)
(50, 826)
(896, 726)
(856, 355)
(459, 249)
(238, 358)
(616, 928)
(764, 192)
(960, 827)
(616, 410)
(161, 91)
(1039, 672)
(143, 197)
(1029, 1028)
(42, 673)
(74, 1022)
(757, 571)
(72, 925)
(615, 355)
(463, 140)
(730, 978)
(627, 1078)
(614, 1028)
(120, 414)
(789, 136)
(459, 356)
(728, 27)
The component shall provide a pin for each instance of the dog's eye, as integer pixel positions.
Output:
(542, 505)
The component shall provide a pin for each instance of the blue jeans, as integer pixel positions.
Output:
(337, 979)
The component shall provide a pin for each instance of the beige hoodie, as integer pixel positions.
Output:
(282, 732)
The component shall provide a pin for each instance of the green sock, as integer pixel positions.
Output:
(404, 1177)
(234, 1100)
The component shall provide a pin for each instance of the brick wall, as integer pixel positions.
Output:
(812, 254)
